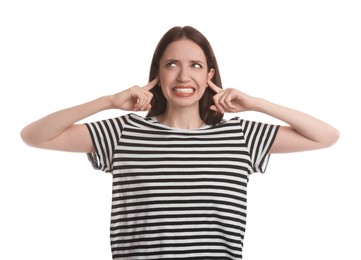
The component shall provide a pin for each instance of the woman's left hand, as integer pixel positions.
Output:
(230, 100)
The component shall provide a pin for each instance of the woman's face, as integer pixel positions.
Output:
(183, 73)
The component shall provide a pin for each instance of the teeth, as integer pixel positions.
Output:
(183, 90)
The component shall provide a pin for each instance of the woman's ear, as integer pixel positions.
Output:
(210, 74)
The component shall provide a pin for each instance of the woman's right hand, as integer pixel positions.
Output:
(135, 98)
(60, 131)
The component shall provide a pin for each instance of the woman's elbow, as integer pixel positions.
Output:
(28, 138)
(25, 137)
(331, 138)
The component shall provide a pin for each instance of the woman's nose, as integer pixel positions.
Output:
(183, 75)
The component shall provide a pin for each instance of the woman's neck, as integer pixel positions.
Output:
(181, 118)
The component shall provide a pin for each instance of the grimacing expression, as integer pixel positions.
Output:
(183, 73)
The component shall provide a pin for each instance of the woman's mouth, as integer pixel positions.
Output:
(184, 91)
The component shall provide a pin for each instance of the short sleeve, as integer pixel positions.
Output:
(259, 138)
(105, 135)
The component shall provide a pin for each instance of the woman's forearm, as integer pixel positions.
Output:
(56, 123)
(60, 131)
(308, 126)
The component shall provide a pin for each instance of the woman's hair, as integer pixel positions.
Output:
(159, 102)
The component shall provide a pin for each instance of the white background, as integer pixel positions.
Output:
(302, 54)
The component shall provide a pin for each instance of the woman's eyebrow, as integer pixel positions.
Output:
(177, 60)
(197, 61)
(173, 60)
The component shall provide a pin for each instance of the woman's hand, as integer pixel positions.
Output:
(303, 132)
(230, 100)
(60, 131)
(135, 98)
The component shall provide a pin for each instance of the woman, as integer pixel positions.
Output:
(179, 174)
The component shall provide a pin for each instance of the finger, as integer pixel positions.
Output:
(146, 107)
(214, 87)
(214, 108)
(142, 104)
(224, 101)
(217, 106)
(227, 100)
(230, 106)
(151, 84)
(140, 97)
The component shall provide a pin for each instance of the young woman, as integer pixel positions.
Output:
(179, 174)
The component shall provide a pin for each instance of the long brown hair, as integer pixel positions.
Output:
(159, 102)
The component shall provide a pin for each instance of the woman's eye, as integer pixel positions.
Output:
(171, 64)
(197, 65)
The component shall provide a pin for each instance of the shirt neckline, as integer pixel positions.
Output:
(154, 120)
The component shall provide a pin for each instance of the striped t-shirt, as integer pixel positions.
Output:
(179, 193)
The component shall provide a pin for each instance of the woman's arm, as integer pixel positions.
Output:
(60, 131)
(304, 132)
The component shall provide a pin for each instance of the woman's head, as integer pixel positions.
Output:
(159, 102)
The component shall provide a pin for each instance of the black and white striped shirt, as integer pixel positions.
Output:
(179, 194)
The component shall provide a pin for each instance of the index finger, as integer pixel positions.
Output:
(214, 87)
(151, 84)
